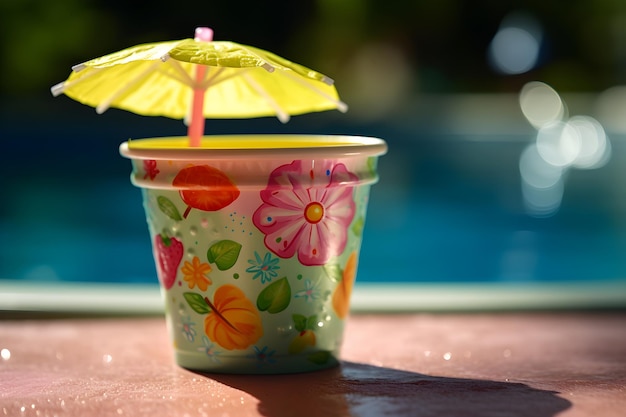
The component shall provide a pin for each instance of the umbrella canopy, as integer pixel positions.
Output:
(199, 78)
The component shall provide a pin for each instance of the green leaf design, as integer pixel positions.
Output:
(224, 254)
(319, 358)
(357, 226)
(299, 322)
(311, 323)
(197, 302)
(168, 208)
(371, 164)
(334, 272)
(275, 297)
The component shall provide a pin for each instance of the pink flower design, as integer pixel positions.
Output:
(307, 210)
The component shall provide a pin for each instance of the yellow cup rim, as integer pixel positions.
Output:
(254, 146)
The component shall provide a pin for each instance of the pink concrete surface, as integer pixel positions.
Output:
(514, 364)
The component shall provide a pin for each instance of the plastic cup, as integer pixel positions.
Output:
(256, 242)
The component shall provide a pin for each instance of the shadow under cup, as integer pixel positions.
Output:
(256, 241)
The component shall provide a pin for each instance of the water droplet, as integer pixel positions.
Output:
(191, 252)
(284, 330)
(427, 353)
(193, 231)
(107, 359)
(5, 354)
(447, 356)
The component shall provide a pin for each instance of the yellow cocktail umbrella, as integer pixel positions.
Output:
(198, 78)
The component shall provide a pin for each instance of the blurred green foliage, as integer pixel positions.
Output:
(442, 43)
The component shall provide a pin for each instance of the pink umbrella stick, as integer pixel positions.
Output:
(196, 127)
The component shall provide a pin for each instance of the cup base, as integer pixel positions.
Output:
(259, 363)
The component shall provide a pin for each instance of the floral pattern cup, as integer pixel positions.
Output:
(256, 242)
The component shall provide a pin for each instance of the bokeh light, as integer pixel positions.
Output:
(595, 149)
(536, 172)
(516, 45)
(377, 80)
(542, 183)
(558, 144)
(561, 143)
(541, 104)
(611, 108)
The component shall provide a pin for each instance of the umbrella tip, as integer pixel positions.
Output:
(58, 89)
(79, 67)
(204, 34)
(327, 80)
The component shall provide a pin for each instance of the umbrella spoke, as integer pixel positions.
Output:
(208, 81)
(60, 88)
(280, 113)
(341, 106)
(183, 76)
(175, 77)
(214, 80)
(104, 105)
